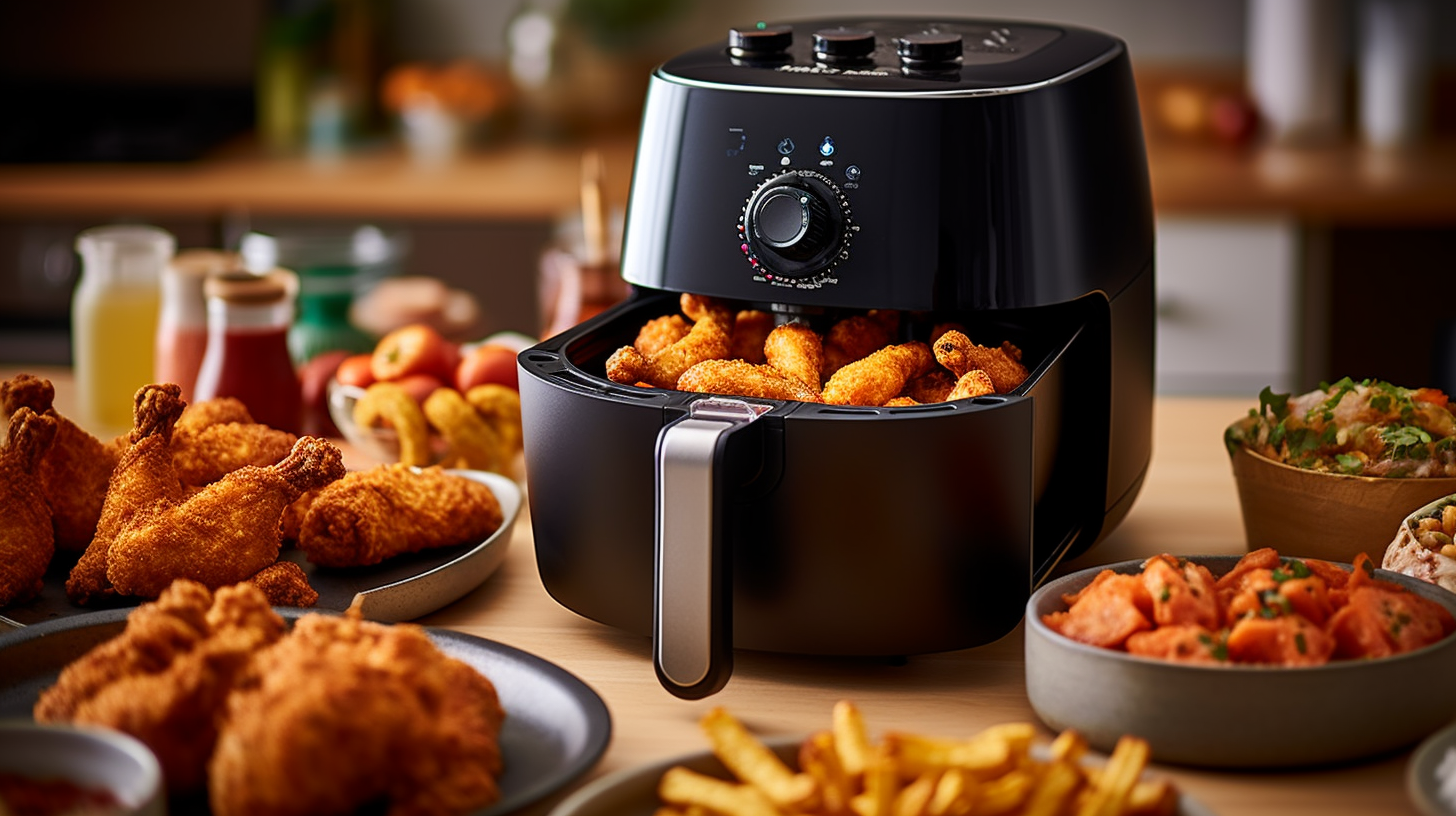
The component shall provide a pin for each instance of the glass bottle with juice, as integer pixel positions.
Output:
(114, 320)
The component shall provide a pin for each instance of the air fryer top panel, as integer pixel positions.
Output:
(866, 57)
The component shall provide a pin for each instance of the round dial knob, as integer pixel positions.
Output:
(795, 224)
(760, 42)
(843, 44)
(929, 48)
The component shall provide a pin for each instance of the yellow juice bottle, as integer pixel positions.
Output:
(114, 321)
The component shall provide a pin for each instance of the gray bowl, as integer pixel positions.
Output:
(95, 758)
(1236, 716)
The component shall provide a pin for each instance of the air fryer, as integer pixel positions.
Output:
(985, 173)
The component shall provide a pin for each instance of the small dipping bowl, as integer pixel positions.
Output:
(90, 758)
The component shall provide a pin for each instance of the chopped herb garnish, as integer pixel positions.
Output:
(1299, 642)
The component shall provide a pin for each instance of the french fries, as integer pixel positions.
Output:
(843, 773)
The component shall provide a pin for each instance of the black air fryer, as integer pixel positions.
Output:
(985, 173)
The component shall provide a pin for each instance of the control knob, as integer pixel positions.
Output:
(795, 224)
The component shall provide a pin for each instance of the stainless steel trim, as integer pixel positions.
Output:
(949, 94)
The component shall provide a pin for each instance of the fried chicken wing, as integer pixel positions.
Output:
(710, 338)
(659, 333)
(166, 678)
(217, 436)
(796, 351)
(223, 534)
(75, 469)
(879, 377)
(144, 477)
(346, 713)
(956, 352)
(751, 328)
(856, 337)
(285, 584)
(27, 540)
(739, 378)
(371, 515)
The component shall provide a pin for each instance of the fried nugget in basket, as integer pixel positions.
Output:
(347, 716)
(880, 377)
(371, 515)
(1003, 365)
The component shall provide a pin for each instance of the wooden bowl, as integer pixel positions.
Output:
(1329, 516)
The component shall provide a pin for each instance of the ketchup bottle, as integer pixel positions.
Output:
(248, 316)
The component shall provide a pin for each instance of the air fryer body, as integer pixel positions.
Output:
(1010, 197)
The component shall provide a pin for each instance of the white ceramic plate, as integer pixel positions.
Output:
(1431, 774)
(633, 791)
(403, 588)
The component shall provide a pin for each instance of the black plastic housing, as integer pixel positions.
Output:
(1012, 198)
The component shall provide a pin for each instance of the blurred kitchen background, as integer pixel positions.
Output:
(1303, 153)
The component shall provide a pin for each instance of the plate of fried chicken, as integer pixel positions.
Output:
(203, 492)
(260, 710)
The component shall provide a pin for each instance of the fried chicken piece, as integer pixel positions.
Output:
(346, 713)
(285, 584)
(371, 515)
(659, 333)
(933, 386)
(751, 328)
(292, 519)
(879, 377)
(166, 678)
(223, 534)
(27, 540)
(74, 471)
(956, 352)
(796, 351)
(857, 337)
(144, 477)
(708, 339)
(739, 378)
(217, 436)
(974, 383)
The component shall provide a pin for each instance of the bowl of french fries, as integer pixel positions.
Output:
(1214, 710)
(841, 771)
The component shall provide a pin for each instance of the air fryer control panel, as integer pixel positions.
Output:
(916, 49)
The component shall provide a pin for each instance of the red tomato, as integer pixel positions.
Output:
(414, 349)
(487, 364)
(314, 376)
(356, 370)
(419, 386)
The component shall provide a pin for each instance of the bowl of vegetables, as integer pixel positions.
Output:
(1333, 472)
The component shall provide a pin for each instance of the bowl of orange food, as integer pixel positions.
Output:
(1338, 468)
(1255, 662)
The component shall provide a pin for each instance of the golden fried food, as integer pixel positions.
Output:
(880, 376)
(751, 328)
(27, 540)
(856, 337)
(371, 515)
(796, 351)
(223, 534)
(167, 677)
(933, 386)
(500, 405)
(974, 383)
(473, 442)
(956, 352)
(292, 519)
(144, 476)
(75, 469)
(710, 338)
(285, 584)
(387, 403)
(739, 378)
(346, 713)
(217, 436)
(659, 333)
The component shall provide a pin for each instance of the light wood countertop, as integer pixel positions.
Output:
(1188, 505)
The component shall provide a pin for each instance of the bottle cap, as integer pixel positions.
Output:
(242, 286)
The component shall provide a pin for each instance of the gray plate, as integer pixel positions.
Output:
(403, 588)
(633, 791)
(1427, 769)
(1234, 716)
(556, 726)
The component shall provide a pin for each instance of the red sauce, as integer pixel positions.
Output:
(27, 796)
(253, 365)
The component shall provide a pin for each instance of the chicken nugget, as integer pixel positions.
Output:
(371, 515)
(739, 378)
(796, 351)
(285, 584)
(879, 377)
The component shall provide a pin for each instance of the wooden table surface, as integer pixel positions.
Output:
(1188, 505)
